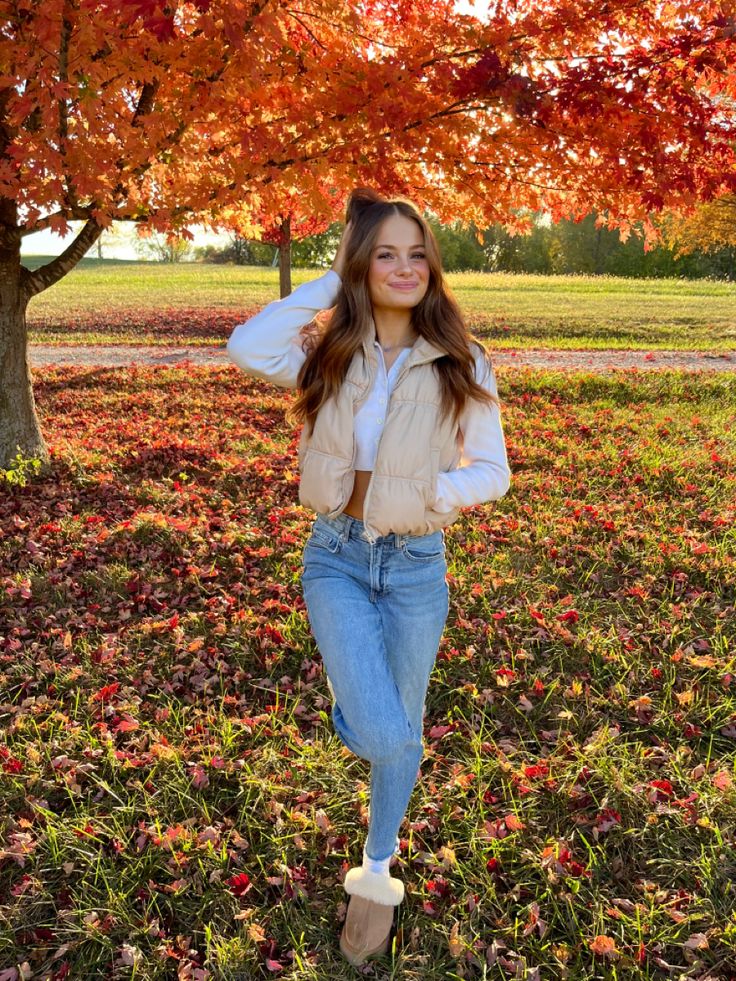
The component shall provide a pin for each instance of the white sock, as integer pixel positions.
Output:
(372, 865)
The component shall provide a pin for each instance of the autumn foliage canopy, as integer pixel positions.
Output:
(216, 110)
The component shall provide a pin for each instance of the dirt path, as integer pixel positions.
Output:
(600, 361)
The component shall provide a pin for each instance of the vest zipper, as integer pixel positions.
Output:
(404, 368)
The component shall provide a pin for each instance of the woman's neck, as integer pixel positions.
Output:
(393, 328)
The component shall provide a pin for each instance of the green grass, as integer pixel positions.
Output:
(164, 717)
(153, 303)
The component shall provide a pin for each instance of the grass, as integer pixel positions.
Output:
(152, 303)
(175, 802)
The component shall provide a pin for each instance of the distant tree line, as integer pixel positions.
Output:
(561, 248)
(308, 253)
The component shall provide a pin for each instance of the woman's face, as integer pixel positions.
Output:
(399, 270)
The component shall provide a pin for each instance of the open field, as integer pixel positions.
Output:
(174, 796)
(152, 303)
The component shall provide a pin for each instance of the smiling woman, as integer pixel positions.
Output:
(402, 428)
(397, 267)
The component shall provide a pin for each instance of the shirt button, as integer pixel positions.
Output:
(379, 420)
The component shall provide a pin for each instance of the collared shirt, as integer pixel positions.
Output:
(370, 417)
(269, 346)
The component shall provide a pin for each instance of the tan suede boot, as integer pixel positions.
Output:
(369, 921)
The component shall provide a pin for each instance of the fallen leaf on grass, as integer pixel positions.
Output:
(454, 942)
(513, 823)
(535, 922)
(698, 941)
(722, 780)
(603, 946)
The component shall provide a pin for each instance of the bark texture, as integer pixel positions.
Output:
(20, 429)
(285, 258)
(19, 424)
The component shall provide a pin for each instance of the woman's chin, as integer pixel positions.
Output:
(407, 302)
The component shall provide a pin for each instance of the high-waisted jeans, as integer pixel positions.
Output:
(377, 612)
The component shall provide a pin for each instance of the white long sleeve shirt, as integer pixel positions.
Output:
(269, 346)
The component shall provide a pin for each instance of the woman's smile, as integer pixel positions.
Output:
(399, 264)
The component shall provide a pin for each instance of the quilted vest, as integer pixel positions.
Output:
(415, 444)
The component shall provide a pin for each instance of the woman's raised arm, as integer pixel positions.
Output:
(268, 346)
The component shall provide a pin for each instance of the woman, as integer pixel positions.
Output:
(402, 428)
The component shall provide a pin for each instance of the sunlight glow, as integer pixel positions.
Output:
(477, 7)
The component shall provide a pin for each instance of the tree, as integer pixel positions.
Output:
(459, 245)
(174, 112)
(318, 250)
(110, 236)
(239, 251)
(163, 248)
(711, 228)
(285, 228)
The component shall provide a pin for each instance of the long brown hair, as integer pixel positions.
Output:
(437, 317)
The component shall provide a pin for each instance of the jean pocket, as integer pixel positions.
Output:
(424, 548)
(325, 537)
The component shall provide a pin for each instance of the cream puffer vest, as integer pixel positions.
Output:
(415, 444)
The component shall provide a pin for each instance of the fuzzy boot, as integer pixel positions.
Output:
(381, 889)
(369, 923)
(367, 930)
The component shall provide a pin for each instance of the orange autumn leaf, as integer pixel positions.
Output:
(454, 940)
(722, 780)
(603, 946)
(514, 823)
(703, 661)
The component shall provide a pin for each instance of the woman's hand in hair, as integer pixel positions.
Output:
(338, 263)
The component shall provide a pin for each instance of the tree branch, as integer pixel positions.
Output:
(66, 31)
(77, 213)
(327, 20)
(52, 272)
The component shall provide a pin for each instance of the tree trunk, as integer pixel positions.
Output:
(285, 258)
(597, 256)
(19, 425)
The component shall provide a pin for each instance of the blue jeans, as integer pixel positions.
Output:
(377, 613)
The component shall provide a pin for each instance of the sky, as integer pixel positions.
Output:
(119, 247)
(479, 7)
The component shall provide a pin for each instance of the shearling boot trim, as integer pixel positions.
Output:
(384, 889)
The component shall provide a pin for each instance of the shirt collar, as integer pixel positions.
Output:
(422, 350)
